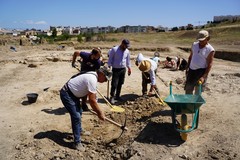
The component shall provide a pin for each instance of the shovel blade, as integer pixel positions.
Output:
(117, 109)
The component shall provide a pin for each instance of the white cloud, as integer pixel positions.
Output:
(29, 22)
(41, 22)
(32, 22)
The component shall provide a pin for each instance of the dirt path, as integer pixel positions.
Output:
(42, 130)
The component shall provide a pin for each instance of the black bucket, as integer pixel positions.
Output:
(32, 97)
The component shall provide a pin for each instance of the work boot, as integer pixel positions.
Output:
(79, 147)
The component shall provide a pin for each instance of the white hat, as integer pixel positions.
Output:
(202, 35)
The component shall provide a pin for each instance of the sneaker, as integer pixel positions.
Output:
(112, 101)
(79, 147)
(144, 95)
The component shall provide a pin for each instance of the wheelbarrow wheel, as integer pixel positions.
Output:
(184, 126)
(184, 135)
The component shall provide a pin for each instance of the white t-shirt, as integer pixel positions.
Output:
(81, 85)
(199, 56)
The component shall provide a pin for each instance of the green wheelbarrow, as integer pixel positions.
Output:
(183, 105)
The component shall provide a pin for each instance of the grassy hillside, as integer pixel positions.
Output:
(224, 37)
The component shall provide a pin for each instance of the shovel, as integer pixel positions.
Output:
(160, 99)
(108, 89)
(113, 107)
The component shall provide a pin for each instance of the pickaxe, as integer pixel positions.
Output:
(123, 127)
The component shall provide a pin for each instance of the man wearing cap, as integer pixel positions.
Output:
(119, 60)
(81, 85)
(200, 62)
(148, 68)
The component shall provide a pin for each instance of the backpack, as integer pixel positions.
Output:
(183, 65)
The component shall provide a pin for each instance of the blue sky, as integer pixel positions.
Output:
(41, 14)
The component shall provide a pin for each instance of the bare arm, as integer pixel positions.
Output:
(75, 54)
(209, 66)
(95, 106)
(189, 59)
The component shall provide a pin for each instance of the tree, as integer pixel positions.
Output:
(175, 29)
(54, 32)
(79, 38)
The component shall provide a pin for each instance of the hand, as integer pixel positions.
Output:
(202, 79)
(187, 71)
(74, 65)
(101, 116)
(129, 72)
(150, 93)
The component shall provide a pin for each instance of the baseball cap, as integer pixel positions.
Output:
(202, 35)
(126, 42)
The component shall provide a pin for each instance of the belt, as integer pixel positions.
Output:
(118, 69)
(65, 87)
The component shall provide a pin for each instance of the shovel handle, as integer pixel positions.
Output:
(111, 121)
(159, 96)
(105, 98)
(108, 89)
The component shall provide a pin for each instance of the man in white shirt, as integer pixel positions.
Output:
(200, 62)
(79, 86)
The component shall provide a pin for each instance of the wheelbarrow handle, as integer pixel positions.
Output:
(200, 87)
(170, 87)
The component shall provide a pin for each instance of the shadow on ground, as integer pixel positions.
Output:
(58, 111)
(160, 133)
(58, 137)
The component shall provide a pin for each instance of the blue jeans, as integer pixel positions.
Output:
(72, 104)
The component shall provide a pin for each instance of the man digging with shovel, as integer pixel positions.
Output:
(80, 86)
(148, 68)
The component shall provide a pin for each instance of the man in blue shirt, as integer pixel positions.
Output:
(89, 61)
(119, 60)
